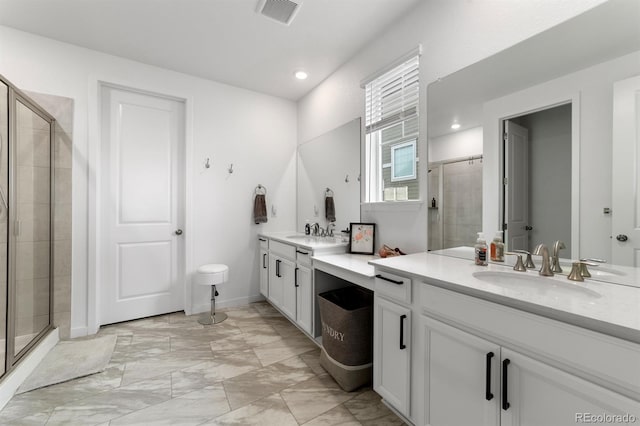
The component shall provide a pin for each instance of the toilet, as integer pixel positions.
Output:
(212, 274)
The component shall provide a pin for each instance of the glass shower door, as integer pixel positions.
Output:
(32, 216)
(4, 190)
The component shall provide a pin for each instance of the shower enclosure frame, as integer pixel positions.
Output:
(15, 95)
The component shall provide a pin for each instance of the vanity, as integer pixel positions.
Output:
(457, 343)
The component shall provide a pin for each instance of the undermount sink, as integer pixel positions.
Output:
(536, 284)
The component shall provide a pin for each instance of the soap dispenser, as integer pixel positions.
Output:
(481, 250)
(497, 248)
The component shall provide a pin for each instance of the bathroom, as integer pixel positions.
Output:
(227, 116)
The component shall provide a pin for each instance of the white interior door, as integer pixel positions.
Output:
(625, 203)
(516, 154)
(141, 263)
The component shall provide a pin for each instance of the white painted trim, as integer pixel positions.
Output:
(516, 104)
(15, 378)
(96, 81)
(416, 51)
(79, 332)
(392, 206)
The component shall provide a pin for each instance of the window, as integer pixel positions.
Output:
(391, 120)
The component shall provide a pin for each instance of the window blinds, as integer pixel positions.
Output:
(392, 97)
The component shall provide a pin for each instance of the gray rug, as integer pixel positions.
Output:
(69, 360)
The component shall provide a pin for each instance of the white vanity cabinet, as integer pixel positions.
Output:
(286, 280)
(264, 266)
(392, 344)
(499, 385)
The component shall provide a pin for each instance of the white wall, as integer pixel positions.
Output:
(465, 143)
(454, 34)
(591, 91)
(255, 132)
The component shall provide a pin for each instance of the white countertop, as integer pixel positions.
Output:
(307, 241)
(356, 263)
(608, 308)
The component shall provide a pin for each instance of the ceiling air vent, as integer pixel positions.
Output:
(282, 11)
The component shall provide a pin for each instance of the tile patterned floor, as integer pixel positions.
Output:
(256, 368)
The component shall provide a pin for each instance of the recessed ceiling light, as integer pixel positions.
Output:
(455, 126)
(301, 75)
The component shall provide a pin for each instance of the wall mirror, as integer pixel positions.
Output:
(523, 139)
(330, 161)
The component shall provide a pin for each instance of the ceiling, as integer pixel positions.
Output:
(221, 40)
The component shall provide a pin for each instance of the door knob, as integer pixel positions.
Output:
(528, 228)
(622, 238)
(178, 231)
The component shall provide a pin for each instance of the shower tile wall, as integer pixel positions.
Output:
(62, 110)
(462, 203)
(435, 234)
(4, 138)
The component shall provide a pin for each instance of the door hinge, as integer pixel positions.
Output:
(505, 181)
(505, 136)
(504, 226)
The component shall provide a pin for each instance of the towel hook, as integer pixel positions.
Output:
(328, 193)
(207, 164)
(231, 168)
(261, 190)
(346, 178)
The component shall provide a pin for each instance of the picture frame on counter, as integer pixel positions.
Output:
(362, 238)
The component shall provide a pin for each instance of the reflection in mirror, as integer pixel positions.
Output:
(332, 161)
(558, 85)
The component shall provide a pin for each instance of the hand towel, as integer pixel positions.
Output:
(330, 209)
(260, 209)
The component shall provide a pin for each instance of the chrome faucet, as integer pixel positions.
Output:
(315, 229)
(584, 262)
(330, 227)
(542, 250)
(556, 259)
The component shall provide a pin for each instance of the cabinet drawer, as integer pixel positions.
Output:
(393, 286)
(264, 242)
(303, 256)
(284, 250)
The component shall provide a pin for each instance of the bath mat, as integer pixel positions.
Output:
(69, 360)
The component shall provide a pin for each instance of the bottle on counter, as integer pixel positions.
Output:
(481, 250)
(307, 228)
(433, 202)
(497, 248)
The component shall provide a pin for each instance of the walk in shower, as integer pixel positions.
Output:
(26, 230)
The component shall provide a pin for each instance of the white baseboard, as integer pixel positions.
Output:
(79, 332)
(230, 303)
(10, 384)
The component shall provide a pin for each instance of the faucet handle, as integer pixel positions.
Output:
(529, 262)
(584, 271)
(519, 266)
(578, 270)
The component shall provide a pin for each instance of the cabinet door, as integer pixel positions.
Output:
(264, 273)
(539, 394)
(275, 281)
(392, 353)
(305, 299)
(287, 275)
(462, 374)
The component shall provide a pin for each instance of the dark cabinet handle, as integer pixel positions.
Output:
(278, 268)
(262, 239)
(402, 345)
(295, 275)
(487, 392)
(505, 393)
(390, 280)
(264, 260)
(302, 252)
